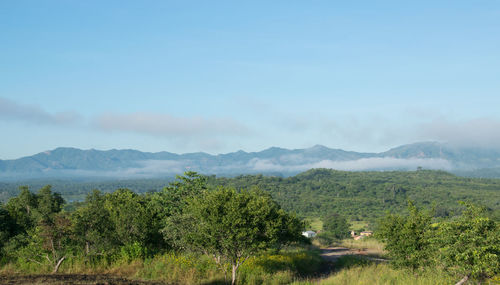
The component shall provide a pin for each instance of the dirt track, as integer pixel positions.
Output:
(332, 254)
(77, 279)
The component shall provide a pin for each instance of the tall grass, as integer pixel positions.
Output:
(188, 268)
(281, 268)
(369, 244)
(315, 223)
(180, 269)
(363, 272)
(383, 274)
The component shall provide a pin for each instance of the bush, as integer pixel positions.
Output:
(325, 239)
(281, 268)
(132, 251)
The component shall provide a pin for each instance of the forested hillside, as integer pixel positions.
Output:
(367, 195)
(357, 195)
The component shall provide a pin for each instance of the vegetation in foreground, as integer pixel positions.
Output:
(467, 246)
(118, 228)
(357, 271)
(194, 233)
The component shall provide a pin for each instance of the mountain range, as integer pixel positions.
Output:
(76, 163)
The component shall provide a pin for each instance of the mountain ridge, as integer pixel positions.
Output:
(69, 161)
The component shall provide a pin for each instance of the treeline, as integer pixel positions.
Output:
(187, 215)
(368, 195)
(318, 192)
(74, 190)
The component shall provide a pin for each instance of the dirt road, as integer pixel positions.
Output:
(332, 254)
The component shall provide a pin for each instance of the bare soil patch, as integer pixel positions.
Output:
(332, 254)
(77, 279)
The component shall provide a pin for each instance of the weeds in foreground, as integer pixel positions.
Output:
(371, 245)
(359, 271)
(282, 267)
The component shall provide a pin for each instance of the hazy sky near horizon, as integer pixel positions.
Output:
(219, 76)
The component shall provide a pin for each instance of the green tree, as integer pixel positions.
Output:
(131, 219)
(55, 239)
(172, 199)
(93, 227)
(23, 209)
(168, 205)
(407, 238)
(44, 232)
(470, 245)
(48, 203)
(231, 226)
(7, 229)
(336, 226)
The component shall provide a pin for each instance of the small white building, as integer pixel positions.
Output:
(309, 234)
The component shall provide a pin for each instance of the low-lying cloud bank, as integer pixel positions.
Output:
(11, 110)
(167, 125)
(479, 132)
(169, 168)
(374, 163)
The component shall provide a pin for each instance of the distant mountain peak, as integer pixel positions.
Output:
(319, 147)
(129, 163)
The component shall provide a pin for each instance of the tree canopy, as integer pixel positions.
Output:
(232, 226)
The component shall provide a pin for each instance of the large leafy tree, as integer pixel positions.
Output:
(23, 209)
(336, 225)
(7, 228)
(48, 203)
(50, 242)
(129, 215)
(168, 205)
(232, 226)
(407, 238)
(43, 230)
(470, 245)
(173, 198)
(93, 227)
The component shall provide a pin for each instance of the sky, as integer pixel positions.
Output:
(220, 76)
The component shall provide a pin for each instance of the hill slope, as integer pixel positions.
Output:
(368, 195)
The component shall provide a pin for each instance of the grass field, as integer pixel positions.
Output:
(370, 245)
(379, 274)
(314, 224)
(359, 225)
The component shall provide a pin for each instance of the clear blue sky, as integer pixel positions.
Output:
(219, 76)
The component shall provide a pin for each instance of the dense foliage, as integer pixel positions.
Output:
(468, 245)
(336, 225)
(186, 216)
(407, 238)
(233, 226)
(316, 193)
(221, 218)
(368, 195)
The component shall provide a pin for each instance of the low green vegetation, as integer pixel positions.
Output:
(371, 246)
(467, 246)
(368, 273)
(314, 223)
(114, 230)
(335, 228)
(244, 230)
